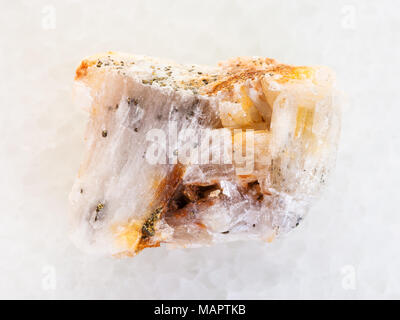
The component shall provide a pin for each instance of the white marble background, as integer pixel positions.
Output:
(348, 247)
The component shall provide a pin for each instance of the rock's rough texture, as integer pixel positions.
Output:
(123, 200)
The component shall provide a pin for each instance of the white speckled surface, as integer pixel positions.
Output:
(348, 247)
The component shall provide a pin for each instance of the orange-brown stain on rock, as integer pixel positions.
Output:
(82, 69)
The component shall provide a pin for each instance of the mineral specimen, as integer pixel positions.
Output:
(189, 155)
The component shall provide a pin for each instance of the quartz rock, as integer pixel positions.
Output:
(189, 155)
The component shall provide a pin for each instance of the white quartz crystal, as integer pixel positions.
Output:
(148, 176)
